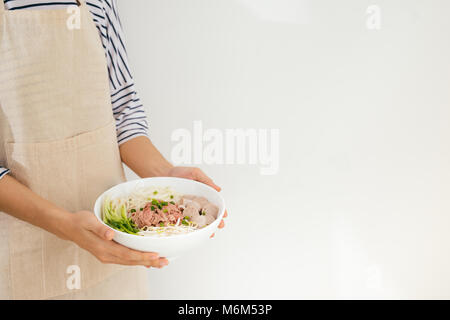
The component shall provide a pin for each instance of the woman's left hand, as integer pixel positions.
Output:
(197, 175)
(136, 152)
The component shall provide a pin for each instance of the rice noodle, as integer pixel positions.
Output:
(140, 196)
(166, 231)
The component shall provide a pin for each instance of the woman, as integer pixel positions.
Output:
(69, 117)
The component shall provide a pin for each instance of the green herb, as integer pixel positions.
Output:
(133, 210)
(171, 196)
(171, 202)
(155, 192)
(141, 209)
(186, 223)
(155, 202)
(165, 210)
(161, 224)
(164, 203)
(153, 208)
(116, 217)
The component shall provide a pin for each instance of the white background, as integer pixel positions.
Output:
(360, 205)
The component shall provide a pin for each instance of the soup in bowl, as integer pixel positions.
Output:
(170, 216)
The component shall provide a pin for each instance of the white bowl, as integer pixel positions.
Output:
(171, 246)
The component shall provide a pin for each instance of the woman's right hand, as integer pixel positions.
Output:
(90, 234)
(82, 227)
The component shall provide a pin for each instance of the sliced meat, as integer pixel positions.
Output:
(190, 212)
(201, 200)
(197, 209)
(199, 220)
(209, 219)
(148, 217)
(210, 210)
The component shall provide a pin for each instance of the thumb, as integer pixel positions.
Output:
(200, 176)
(104, 232)
(101, 230)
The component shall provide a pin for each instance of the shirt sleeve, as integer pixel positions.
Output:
(128, 110)
(3, 172)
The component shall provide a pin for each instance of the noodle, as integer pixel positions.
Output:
(137, 200)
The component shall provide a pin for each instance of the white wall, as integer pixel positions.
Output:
(360, 205)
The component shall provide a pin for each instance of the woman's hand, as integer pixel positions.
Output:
(82, 227)
(197, 175)
(141, 156)
(90, 234)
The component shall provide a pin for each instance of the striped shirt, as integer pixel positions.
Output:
(127, 108)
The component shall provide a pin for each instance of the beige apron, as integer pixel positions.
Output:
(57, 135)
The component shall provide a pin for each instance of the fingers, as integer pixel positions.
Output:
(109, 234)
(135, 257)
(157, 263)
(122, 255)
(162, 262)
(112, 252)
(221, 225)
(200, 176)
(97, 239)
